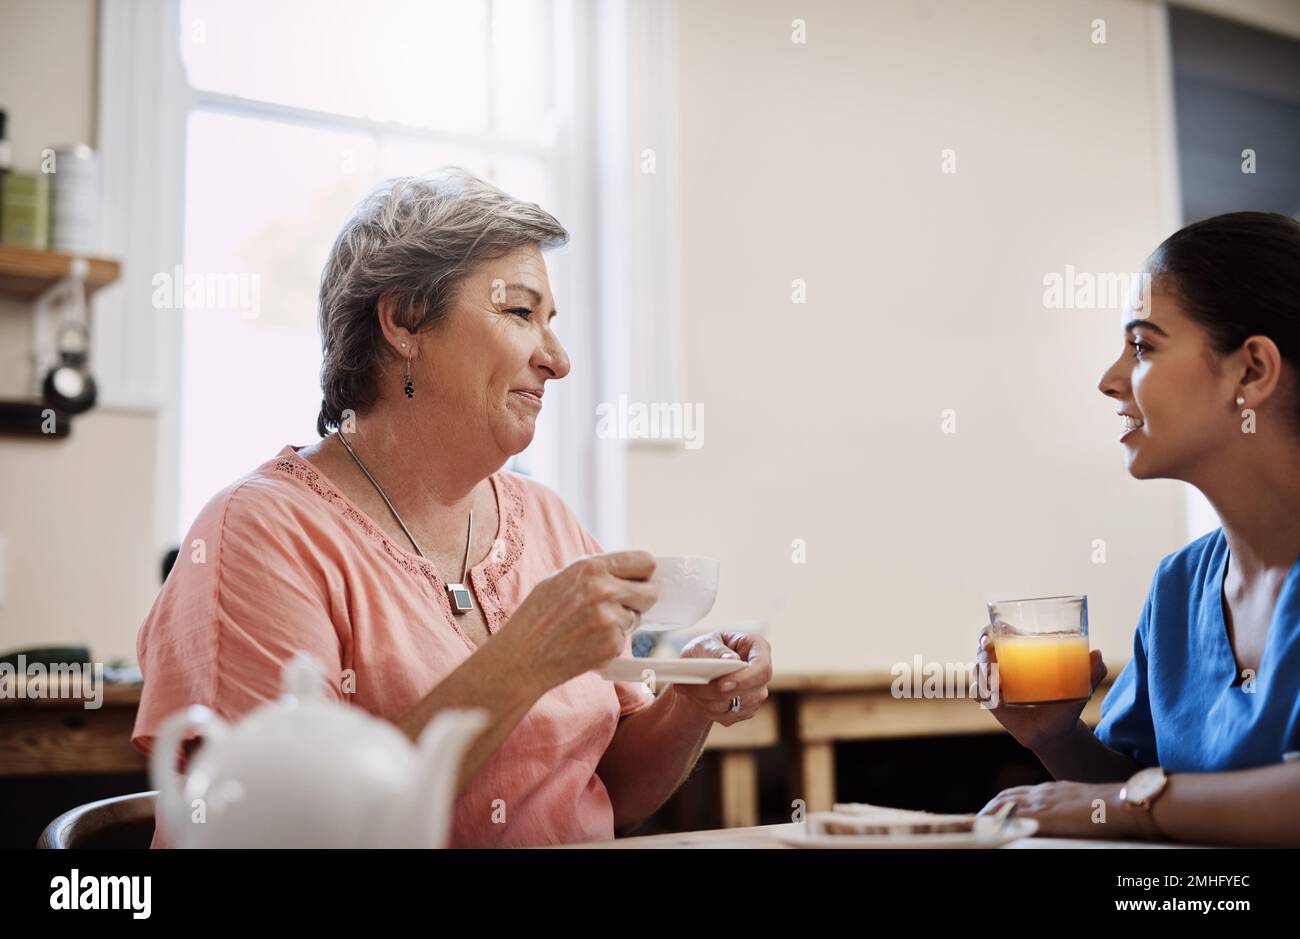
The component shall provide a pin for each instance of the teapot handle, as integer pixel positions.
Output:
(162, 764)
(442, 747)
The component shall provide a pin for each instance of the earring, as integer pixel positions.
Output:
(408, 387)
(1240, 400)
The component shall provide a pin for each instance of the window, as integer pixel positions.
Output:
(296, 109)
(1237, 102)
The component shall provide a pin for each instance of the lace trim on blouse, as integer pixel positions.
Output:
(506, 549)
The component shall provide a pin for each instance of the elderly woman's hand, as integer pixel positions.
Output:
(579, 619)
(716, 699)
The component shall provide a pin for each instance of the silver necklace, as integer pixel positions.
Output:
(458, 595)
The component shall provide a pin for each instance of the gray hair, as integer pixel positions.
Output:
(413, 240)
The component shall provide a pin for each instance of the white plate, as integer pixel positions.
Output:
(670, 671)
(1014, 830)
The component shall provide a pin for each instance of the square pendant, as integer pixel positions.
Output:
(459, 595)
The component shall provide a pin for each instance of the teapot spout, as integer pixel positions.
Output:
(443, 743)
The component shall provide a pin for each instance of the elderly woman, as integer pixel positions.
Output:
(1199, 737)
(398, 553)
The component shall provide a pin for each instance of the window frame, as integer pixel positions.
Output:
(622, 233)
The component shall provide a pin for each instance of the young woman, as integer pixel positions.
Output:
(1200, 733)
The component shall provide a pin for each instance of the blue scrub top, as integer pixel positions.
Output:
(1178, 703)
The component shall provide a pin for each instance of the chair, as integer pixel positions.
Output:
(120, 822)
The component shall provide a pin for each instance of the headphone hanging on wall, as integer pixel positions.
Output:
(69, 387)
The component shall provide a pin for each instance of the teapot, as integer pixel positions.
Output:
(304, 771)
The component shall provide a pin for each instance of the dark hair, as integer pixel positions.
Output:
(1237, 275)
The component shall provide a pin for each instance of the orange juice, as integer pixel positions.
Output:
(1036, 669)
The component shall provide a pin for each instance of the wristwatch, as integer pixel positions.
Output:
(1141, 792)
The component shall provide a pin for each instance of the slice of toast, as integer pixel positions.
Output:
(859, 818)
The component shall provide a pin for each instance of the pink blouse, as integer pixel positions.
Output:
(281, 561)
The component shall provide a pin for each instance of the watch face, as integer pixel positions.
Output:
(1145, 784)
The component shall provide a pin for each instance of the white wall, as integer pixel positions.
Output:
(822, 421)
(76, 514)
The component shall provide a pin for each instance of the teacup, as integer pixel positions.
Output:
(687, 587)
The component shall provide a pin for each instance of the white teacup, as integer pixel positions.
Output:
(687, 587)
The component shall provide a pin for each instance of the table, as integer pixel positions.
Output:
(737, 747)
(820, 710)
(807, 713)
(60, 735)
(763, 837)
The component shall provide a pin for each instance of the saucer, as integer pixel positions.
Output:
(670, 671)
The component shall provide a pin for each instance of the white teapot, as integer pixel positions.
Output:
(307, 772)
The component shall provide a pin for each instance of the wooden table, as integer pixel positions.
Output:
(738, 747)
(60, 735)
(820, 710)
(806, 713)
(763, 836)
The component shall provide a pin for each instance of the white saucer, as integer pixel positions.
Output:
(1014, 830)
(670, 671)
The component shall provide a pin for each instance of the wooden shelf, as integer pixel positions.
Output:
(25, 273)
(26, 418)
